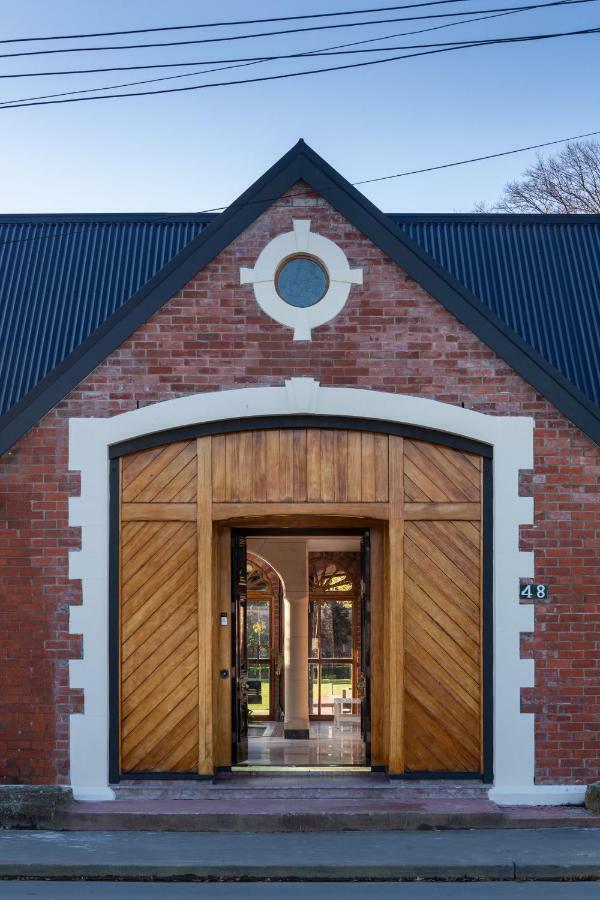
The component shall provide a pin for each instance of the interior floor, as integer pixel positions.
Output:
(328, 745)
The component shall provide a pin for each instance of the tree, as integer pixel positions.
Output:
(568, 182)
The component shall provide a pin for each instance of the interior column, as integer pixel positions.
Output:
(289, 558)
(296, 723)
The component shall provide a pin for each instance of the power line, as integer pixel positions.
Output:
(284, 31)
(283, 76)
(245, 64)
(451, 45)
(345, 12)
(438, 168)
(27, 101)
(474, 159)
(175, 217)
(498, 15)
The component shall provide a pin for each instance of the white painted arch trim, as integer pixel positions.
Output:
(512, 441)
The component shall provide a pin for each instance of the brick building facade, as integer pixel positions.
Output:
(393, 335)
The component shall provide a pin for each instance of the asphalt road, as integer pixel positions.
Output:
(44, 890)
(501, 854)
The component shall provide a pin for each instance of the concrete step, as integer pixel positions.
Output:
(217, 792)
(275, 793)
(261, 814)
(305, 787)
(288, 802)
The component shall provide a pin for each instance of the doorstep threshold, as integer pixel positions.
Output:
(293, 768)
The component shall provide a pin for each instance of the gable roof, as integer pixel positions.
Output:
(126, 267)
(62, 276)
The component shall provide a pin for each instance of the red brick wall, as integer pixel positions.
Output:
(212, 335)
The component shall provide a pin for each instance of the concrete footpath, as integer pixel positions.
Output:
(502, 855)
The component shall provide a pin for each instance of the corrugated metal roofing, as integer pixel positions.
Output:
(62, 276)
(539, 274)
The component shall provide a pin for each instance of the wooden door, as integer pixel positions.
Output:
(423, 503)
(159, 679)
(442, 609)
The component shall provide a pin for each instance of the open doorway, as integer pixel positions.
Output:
(300, 686)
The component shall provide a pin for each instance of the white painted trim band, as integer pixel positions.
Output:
(512, 441)
(538, 795)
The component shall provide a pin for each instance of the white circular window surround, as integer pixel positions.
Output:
(301, 243)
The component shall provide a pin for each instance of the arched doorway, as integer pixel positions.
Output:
(264, 641)
(423, 497)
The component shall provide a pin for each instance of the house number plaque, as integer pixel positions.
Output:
(533, 591)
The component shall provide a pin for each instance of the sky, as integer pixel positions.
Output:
(197, 150)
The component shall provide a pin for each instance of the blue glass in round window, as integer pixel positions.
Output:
(301, 281)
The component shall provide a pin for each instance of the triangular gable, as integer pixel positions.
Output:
(300, 163)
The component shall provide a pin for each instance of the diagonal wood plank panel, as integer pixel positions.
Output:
(440, 474)
(443, 648)
(162, 475)
(159, 646)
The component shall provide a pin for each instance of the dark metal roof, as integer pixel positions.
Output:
(62, 276)
(539, 274)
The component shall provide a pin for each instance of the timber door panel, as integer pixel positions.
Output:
(309, 465)
(166, 475)
(159, 648)
(159, 678)
(442, 611)
(442, 652)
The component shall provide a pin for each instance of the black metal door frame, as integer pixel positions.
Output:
(239, 668)
(365, 638)
(238, 534)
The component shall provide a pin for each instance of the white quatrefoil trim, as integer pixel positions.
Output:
(301, 243)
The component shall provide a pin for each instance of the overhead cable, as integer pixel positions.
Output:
(307, 28)
(174, 65)
(237, 63)
(283, 76)
(224, 24)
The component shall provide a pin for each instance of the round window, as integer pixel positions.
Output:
(301, 281)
